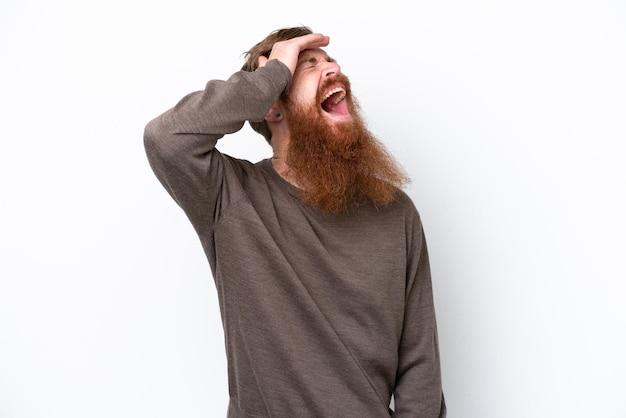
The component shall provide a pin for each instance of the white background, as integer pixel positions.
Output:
(509, 116)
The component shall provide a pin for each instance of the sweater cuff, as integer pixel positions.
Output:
(282, 73)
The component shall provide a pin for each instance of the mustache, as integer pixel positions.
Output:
(335, 79)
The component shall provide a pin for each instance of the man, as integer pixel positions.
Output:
(319, 258)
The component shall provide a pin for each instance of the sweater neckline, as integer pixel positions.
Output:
(269, 167)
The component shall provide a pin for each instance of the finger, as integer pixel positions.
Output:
(314, 40)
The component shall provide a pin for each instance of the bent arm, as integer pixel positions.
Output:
(180, 143)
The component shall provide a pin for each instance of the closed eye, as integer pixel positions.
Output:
(313, 61)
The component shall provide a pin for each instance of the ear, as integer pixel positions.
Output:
(275, 114)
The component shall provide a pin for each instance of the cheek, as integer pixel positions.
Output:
(303, 89)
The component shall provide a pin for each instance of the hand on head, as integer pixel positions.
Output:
(288, 51)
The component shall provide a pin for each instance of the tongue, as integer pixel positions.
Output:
(330, 106)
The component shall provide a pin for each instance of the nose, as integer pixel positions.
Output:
(332, 68)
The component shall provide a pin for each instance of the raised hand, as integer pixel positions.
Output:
(288, 51)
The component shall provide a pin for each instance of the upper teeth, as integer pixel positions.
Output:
(333, 91)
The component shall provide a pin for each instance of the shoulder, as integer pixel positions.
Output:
(405, 203)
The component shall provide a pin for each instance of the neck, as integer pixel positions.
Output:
(279, 159)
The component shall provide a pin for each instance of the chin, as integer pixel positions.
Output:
(333, 118)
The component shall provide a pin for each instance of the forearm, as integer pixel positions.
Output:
(194, 125)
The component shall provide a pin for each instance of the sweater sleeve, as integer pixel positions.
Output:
(180, 143)
(418, 390)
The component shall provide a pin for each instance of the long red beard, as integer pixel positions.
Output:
(339, 166)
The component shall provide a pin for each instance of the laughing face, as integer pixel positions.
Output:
(332, 155)
(318, 82)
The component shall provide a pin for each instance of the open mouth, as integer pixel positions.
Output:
(334, 102)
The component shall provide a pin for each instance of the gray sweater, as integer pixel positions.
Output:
(324, 316)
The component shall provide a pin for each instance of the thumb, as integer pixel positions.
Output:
(262, 61)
